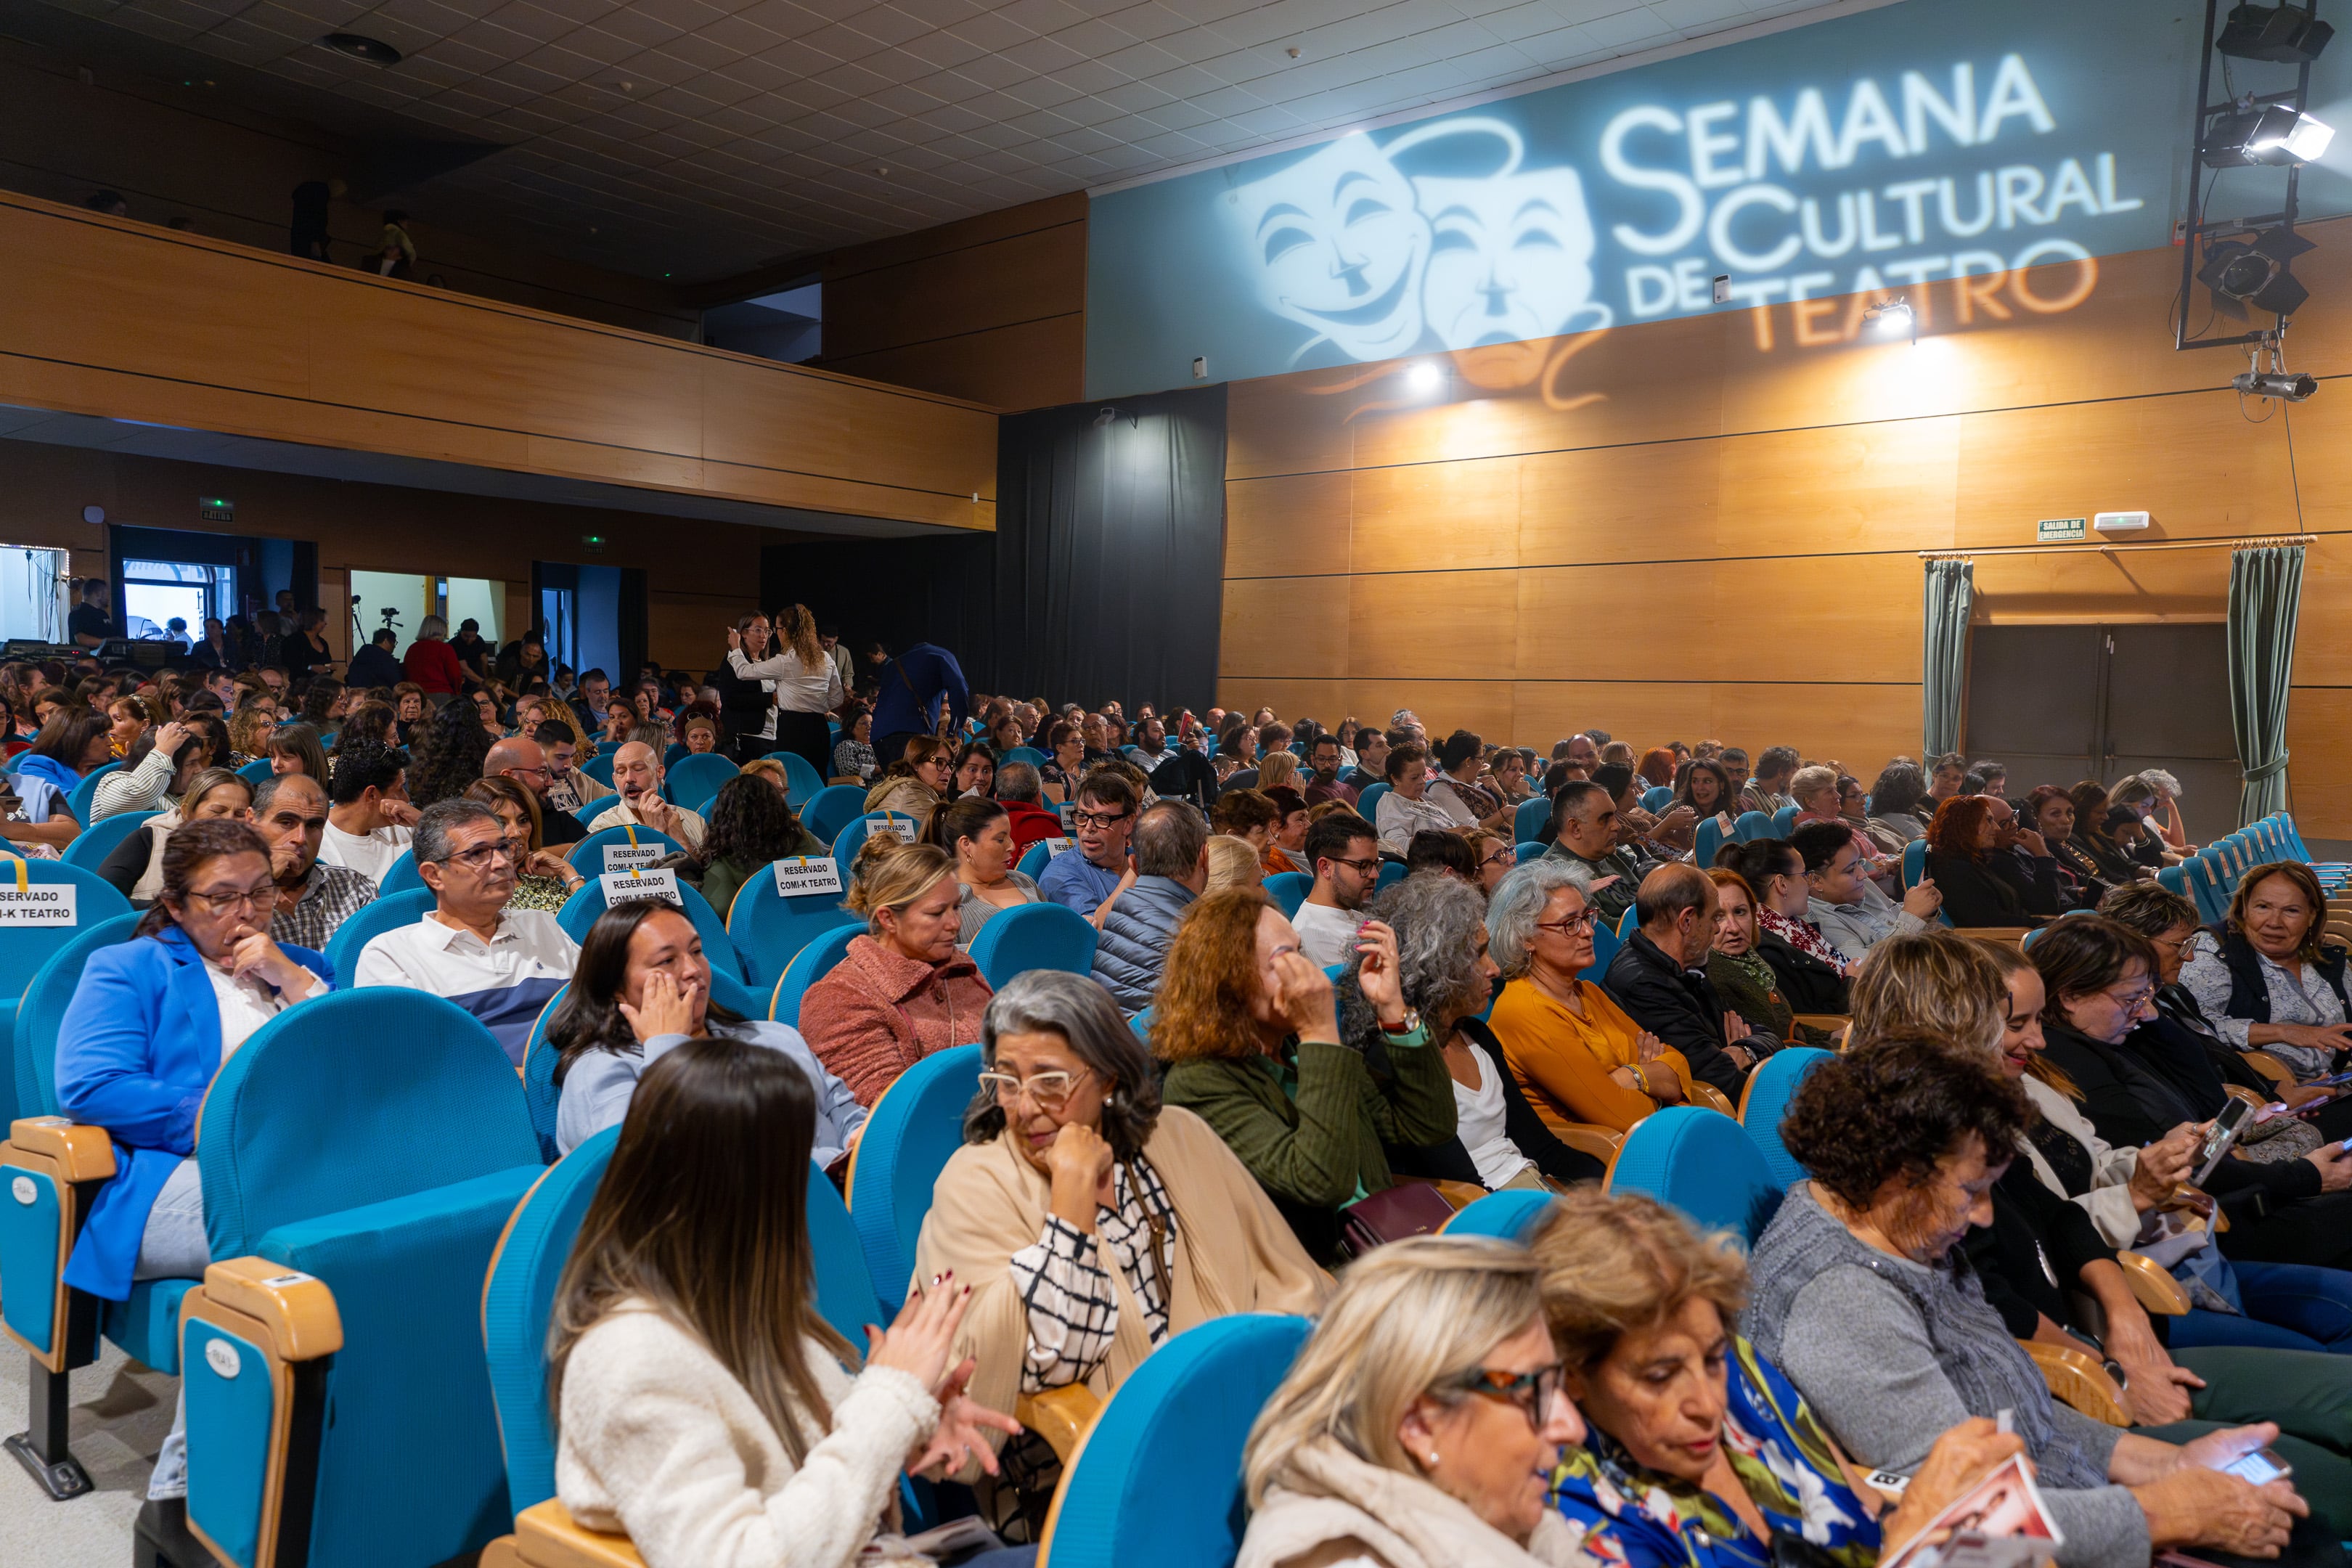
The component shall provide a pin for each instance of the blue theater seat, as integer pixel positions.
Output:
(1034, 936)
(1703, 1163)
(693, 781)
(1288, 889)
(808, 966)
(389, 912)
(831, 809)
(768, 929)
(1765, 1100)
(93, 844)
(914, 1128)
(579, 914)
(588, 856)
(801, 782)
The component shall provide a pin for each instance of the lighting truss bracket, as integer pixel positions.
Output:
(2197, 227)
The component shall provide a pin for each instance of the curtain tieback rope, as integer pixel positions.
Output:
(2269, 769)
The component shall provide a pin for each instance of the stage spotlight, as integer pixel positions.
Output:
(2290, 387)
(2242, 274)
(2286, 34)
(1890, 319)
(2273, 134)
(1424, 379)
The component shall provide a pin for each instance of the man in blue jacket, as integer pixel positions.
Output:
(1171, 867)
(914, 685)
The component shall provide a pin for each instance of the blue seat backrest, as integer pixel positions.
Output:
(1657, 797)
(1036, 857)
(1915, 862)
(831, 809)
(1752, 825)
(387, 913)
(1527, 821)
(541, 1093)
(844, 1289)
(1368, 804)
(580, 912)
(769, 929)
(1507, 1215)
(588, 855)
(915, 1126)
(1391, 873)
(1288, 889)
(1770, 1087)
(43, 1009)
(853, 837)
(400, 876)
(1784, 822)
(674, 753)
(1159, 1482)
(696, 780)
(23, 948)
(2172, 879)
(1604, 948)
(254, 772)
(809, 966)
(78, 798)
(518, 1301)
(94, 843)
(350, 1099)
(1528, 850)
(1702, 1162)
(1030, 755)
(600, 766)
(1709, 841)
(1034, 936)
(801, 781)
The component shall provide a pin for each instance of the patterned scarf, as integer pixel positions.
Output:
(1802, 934)
(1751, 965)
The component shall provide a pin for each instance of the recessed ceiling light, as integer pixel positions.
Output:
(359, 46)
(883, 170)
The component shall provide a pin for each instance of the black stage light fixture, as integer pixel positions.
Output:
(2242, 274)
(2273, 134)
(2288, 34)
(2288, 387)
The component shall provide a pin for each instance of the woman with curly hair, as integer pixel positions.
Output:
(447, 753)
(1250, 1027)
(751, 825)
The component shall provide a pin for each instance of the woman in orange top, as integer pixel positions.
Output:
(1571, 1048)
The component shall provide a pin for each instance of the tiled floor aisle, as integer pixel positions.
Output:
(121, 1414)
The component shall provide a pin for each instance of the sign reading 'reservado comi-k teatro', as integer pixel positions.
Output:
(1923, 140)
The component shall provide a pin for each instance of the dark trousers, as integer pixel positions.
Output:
(889, 749)
(809, 735)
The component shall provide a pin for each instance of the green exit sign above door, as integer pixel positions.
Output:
(2060, 530)
(217, 509)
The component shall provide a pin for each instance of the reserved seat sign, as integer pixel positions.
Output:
(39, 904)
(622, 857)
(626, 887)
(799, 876)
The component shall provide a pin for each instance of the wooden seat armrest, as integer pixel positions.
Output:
(1586, 1138)
(1830, 1021)
(2080, 1381)
(83, 1153)
(2158, 1290)
(2013, 935)
(2270, 1066)
(2240, 1091)
(1461, 1195)
(296, 1309)
(1706, 1094)
(546, 1537)
(1060, 1415)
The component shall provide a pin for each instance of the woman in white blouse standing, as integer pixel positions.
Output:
(808, 685)
(1090, 1221)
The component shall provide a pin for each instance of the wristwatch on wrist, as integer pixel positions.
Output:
(1412, 1024)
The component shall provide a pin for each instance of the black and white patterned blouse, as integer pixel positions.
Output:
(2304, 1001)
(1067, 1286)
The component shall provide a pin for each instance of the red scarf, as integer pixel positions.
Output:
(1802, 934)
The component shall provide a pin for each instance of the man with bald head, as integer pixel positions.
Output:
(291, 811)
(638, 777)
(524, 761)
(1659, 978)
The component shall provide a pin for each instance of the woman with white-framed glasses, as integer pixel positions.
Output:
(1090, 1221)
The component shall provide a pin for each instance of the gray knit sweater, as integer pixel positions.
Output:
(1891, 1354)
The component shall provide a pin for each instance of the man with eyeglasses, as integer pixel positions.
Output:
(1584, 823)
(290, 812)
(1346, 856)
(500, 965)
(525, 761)
(1104, 820)
(1323, 760)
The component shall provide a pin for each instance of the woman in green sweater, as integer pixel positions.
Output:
(1248, 1024)
(751, 825)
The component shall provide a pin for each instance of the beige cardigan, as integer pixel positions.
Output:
(658, 1441)
(1328, 1509)
(1233, 1252)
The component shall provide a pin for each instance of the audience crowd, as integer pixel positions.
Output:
(1332, 997)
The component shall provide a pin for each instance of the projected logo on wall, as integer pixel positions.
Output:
(1447, 235)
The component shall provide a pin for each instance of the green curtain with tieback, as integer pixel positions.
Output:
(1951, 591)
(2265, 594)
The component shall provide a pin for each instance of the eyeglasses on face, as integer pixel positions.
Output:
(1505, 856)
(1567, 925)
(242, 900)
(479, 857)
(1049, 1091)
(1532, 1392)
(1083, 818)
(1368, 867)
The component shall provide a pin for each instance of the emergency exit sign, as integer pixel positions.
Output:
(216, 509)
(2060, 530)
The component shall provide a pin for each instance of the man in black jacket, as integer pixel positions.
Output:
(1659, 977)
(373, 666)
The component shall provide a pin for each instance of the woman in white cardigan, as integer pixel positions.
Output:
(702, 1403)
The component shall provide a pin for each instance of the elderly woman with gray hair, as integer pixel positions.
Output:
(1090, 1221)
(1448, 978)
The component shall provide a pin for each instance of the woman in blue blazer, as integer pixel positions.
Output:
(147, 1029)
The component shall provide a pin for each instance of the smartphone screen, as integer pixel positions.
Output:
(2260, 1466)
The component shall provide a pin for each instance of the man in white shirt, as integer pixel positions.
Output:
(1347, 861)
(638, 777)
(502, 966)
(1407, 809)
(369, 815)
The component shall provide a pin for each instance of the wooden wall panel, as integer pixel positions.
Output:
(1272, 629)
(1719, 517)
(127, 321)
(2319, 763)
(1030, 364)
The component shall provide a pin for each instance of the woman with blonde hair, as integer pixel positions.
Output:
(250, 730)
(1233, 863)
(1280, 767)
(1418, 1425)
(807, 685)
(903, 991)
